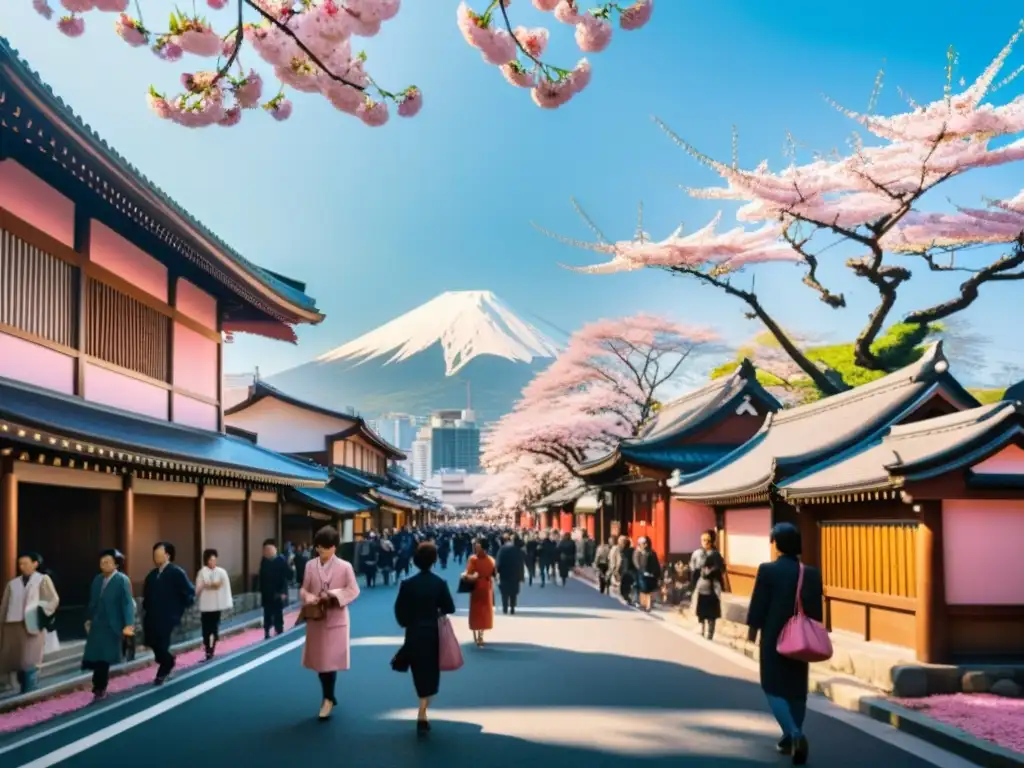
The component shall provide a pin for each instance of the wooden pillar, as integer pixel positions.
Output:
(246, 536)
(280, 520)
(722, 543)
(220, 369)
(199, 527)
(8, 520)
(82, 239)
(126, 523)
(932, 643)
(660, 519)
(172, 300)
(810, 535)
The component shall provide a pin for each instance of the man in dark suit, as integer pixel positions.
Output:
(510, 565)
(274, 578)
(166, 594)
(772, 604)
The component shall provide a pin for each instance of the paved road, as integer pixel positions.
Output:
(573, 680)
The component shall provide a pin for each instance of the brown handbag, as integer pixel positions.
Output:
(313, 612)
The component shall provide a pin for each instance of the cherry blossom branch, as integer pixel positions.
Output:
(508, 26)
(236, 48)
(303, 47)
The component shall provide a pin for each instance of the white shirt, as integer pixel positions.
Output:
(213, 599)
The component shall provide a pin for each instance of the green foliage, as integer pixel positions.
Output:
(899, 346)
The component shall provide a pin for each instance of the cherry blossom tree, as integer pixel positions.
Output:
(871, 197)
(309, 45)
(603, 388)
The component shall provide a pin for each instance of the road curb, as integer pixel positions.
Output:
(960, 743)
(854, 695)
(141, 662)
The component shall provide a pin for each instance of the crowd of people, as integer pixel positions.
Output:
(497, 561)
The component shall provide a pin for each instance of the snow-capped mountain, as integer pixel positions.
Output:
(459, 346)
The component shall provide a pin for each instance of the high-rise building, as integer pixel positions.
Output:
(454, 441)
(399, 429)
(419, 456)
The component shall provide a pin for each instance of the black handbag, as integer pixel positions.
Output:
(466, 586)
(47, 621)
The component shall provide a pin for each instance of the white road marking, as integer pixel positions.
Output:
(112, 731)
(148, 691)
(820, 704)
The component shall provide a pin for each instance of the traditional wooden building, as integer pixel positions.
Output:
(687, 435)
(365, 491)
(918, 535)
(743, 487)
(114, 306)
(567, 508)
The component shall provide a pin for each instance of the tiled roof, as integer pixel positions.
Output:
(52, 108)
(684, 416)
(397, 498)
(560, 497)
(330, 500)
(915, 451)
(76, 425)
(793, 440)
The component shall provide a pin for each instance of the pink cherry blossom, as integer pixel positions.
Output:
(112, 6)
(550, 94)
(78, 6)
(158, 104)
(231, 117)
(72, 26)
(593, 34)
(42, 8)
(535, 41)
(281, 110)
(495, 45)
(373, 113)
(129, 30)
(545, 5)
(412, 102)
(636, 15)
(580, 77)
(567, 12)
(517, 75)
(217, 4)
(169, 51)
(200, 42)
(249, 90)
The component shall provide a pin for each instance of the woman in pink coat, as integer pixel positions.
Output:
(329, 582)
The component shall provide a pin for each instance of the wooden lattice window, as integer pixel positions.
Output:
(876, 557)
(127, 333)
(38, 292)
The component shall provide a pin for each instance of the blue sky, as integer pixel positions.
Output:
(377, 221)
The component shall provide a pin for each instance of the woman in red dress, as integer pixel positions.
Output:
(481, 600)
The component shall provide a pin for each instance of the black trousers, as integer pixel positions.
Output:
(210, 621)
(273, 614)
(371, 575)
(508, 602)
(626, 584)
(444, 560)
(100, 676)
(531, 570)
(327, 681)
(159, 641)
(602, 577)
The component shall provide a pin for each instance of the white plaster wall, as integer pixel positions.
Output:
(285, 428)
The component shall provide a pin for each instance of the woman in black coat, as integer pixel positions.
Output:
(772, 604)
(422, 600)
(566, 557)
(648, 573)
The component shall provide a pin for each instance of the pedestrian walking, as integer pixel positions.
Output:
(273, 581)
(329, 586)
(166, 594)
(369, 551)
(27, 610)
(707, 576)
(422, 601)
(772, 604)
(648, 573)
(547, 556)
(111, 619)
(301, 558)
(213, 590)
(530, 552)
(480, 570)
(624, 569)
(386, 560)
(602, 562)
(566, 551)
(510, 567)
(444, 550)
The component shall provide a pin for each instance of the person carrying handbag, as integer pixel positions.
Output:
(773, 604)
(27, 608)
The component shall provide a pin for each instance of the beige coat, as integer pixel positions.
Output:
(39, 593)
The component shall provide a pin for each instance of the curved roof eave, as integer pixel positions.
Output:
(60, 114)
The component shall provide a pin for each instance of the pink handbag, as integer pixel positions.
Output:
(449, 650)
(803, 638)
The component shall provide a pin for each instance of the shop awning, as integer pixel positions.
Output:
(588, 503)
(62, 424)
(394, 498)
(328, 500)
